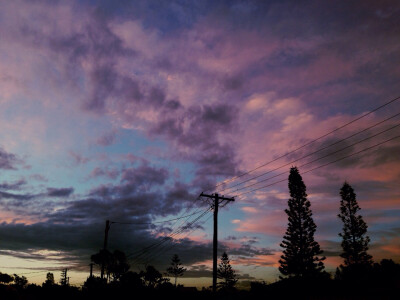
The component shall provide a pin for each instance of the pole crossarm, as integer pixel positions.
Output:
(218, 197)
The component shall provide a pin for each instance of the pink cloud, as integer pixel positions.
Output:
(266, 222)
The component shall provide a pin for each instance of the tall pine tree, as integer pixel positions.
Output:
(355, 241)
(300, 255)
(176, 269)
(226, 273)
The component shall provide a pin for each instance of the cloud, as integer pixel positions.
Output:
(59, 192)
(8, 161)
(17, 185)
(99, 172)
(198, 271)
(6, 195)
(38, 177)
(107, 139)
(78, 159)
(144, 175)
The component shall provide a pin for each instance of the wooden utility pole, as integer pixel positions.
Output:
(217, 201)
(91, 269)
(105, 247)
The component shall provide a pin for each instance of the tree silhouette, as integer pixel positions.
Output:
(355, 242)
(20, 281)
(152, 277)
(300, 254)
(49, 280)
(118, 265)
(5, 278)
(103, 256)
(115, 263)
(176, 269)
(226, 273)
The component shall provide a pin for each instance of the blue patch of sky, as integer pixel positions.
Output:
(165, 16)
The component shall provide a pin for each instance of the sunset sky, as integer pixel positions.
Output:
(127, 110)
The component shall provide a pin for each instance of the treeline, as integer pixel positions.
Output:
(118, 282)
(379, 281)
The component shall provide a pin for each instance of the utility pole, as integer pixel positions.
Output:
(105, 247)
(91, 269)
(217, 201)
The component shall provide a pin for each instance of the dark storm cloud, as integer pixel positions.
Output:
(203, 122)
(199, 129)
(78, 240)
(59, 192)
(17, 185)
(5, 195)
(8, 161)
(137, 208)
(144, 175)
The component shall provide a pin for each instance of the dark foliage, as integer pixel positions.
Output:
(176, 270)
(383, 282)
(354, 239)
(153, 278)
(300, 255)
(226, 273)
(5, 278)
(115, 264)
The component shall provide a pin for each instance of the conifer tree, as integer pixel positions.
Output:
(300, 255)
(176, 269)
(226, 273)
(355, 242)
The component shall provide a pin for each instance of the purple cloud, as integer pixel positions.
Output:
(8, 161)
(17, 185)
(59, 192)
(107, 139)
(78, 159)
(109, 173)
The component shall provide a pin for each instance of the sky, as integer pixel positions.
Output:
(127, 110)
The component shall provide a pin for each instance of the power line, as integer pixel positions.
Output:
(306, 144)
(327, 155)
(165, 247)
(150, 223)
(319, 150)
(169, 238)
(175, 244)
(156, 244)
(321, 166)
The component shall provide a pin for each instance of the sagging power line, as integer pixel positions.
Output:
(317, 159)
(321, 166)
(304, 145)
(319, 150)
